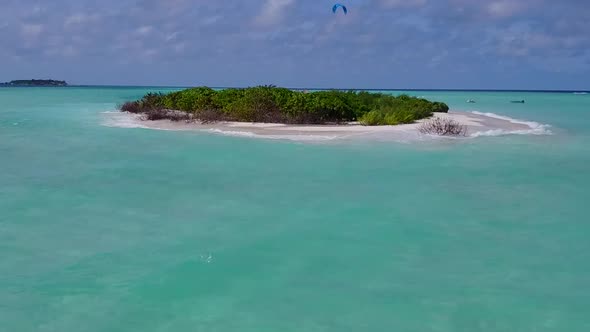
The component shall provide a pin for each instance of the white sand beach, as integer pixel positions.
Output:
(478, 124)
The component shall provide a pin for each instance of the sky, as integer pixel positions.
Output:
(413, 44)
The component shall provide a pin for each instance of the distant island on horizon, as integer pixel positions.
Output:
(35, 83)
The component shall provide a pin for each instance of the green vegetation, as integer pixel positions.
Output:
(34, 83)
(280, 105)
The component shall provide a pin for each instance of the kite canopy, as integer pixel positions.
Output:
(336, 6)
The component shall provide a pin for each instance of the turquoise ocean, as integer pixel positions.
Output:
(128, 229)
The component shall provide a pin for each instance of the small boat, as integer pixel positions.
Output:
(471, 101)
(580, 93)
(517, 101)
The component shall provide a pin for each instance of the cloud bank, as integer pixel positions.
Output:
(381, 43)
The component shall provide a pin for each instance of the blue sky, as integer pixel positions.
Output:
(512, 44)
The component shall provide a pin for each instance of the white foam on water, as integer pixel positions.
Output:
(535, 127)
(306, 138)
(122, 120)
(206, 258)
(502, 132)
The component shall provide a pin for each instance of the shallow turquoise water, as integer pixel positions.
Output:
(115, 229)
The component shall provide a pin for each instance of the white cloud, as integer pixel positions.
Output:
(211, 20)
(66, 50)
(504, 8)
(180, 47)
(273, 12)
(30, 34)
(144, 30)
(401, 3)
(31, 30)
(171, 36)
(70, 51)
(80, 18)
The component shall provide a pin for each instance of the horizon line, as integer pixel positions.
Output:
(314, 88)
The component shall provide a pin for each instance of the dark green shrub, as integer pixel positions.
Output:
(131, 107)
(439, 107)
(400, 117)
(274, 104)
(372, 118)
(152, 101)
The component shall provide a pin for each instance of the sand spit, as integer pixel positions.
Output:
(478, 124)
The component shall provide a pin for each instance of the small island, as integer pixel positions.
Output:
(27, 83)
(270, 104)
(310, 116)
